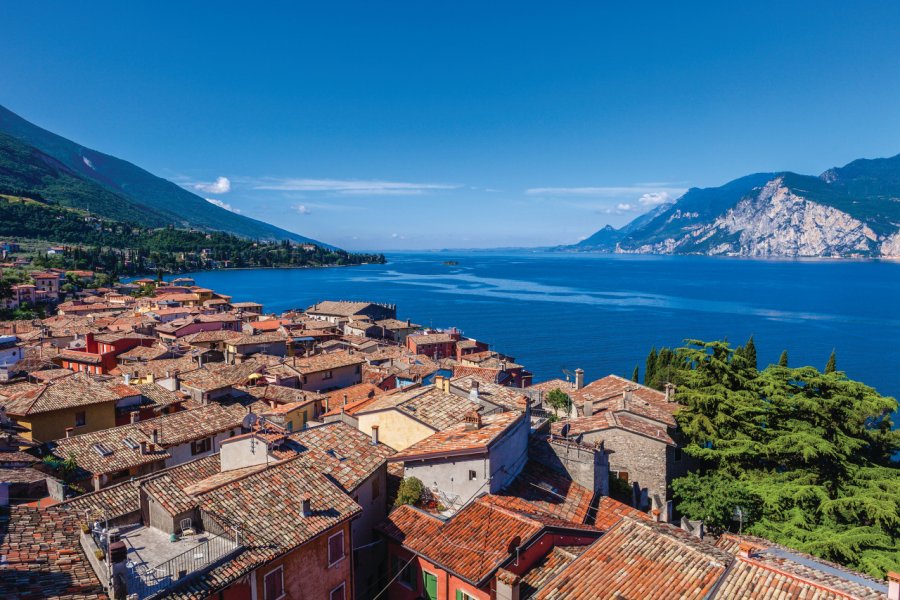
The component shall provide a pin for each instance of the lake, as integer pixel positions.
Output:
(603, 313)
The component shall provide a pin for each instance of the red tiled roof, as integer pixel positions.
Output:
(461, 439)
(610, 512)
(540, 489)
(475, 541)
(42, 556)
(639, 559)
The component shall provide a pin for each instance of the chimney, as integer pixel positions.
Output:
(579, 379)
(472, 419)
(588, 408)
(473, 390)
(374, 435)
(143, 447)
(670, 392)
(507, 585)
(127, 378)
(327, 398)
(273, 404)
(345, 400)
(626, 395)
(746, 550)
(306, 506)
(893, 585)
(134, 417)
(156, 436)
(408, 323)
(69, 431)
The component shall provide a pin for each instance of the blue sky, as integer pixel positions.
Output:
(466, 124)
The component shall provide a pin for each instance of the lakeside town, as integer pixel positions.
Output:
(164, 441)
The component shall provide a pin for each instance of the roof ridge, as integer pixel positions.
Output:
(669, 530)
(816, 584)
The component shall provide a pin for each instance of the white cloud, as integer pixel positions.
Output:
(224, 205)
(606, 191)
(222, 185)
(656, 198)
(397, 236)
(352, 186)
(625, 207)
(303, 209)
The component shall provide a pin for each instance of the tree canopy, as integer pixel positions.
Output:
(806, 455)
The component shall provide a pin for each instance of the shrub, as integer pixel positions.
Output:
(410, 491)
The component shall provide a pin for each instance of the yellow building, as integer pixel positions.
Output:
(405, 418)
(75, 404)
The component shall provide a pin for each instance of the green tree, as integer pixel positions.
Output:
(650, 368)
(807, 455)
(831, 366)
(557, 399)
(410, 491)
(783, 359)
(635, 375)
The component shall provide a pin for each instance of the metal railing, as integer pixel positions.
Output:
(147, 581)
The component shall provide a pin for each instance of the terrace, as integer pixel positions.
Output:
(156, 561)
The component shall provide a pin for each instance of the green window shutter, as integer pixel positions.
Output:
(459, 595)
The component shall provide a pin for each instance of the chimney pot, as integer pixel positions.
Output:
(579, 379)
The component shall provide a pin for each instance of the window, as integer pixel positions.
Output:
(335, 548)
(338, 593)
(201, 446)
(676, 455)
(472, 475)
(273, 584)
(461, 595)
(407, 572)
(327, 375)
(80, 419)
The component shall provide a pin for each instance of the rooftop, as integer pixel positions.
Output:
(461, 438)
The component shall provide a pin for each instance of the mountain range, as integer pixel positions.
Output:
(849, 211)
(35, 162)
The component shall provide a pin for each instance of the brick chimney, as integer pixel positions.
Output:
(579, 379)
(472, 420)
(507, 585)
(893, 585)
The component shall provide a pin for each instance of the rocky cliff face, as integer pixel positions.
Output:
(850, 211)
(775, 221)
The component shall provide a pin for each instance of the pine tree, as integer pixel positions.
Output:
(635, 377)
(831, 367)
(783, 359)
(750, 353)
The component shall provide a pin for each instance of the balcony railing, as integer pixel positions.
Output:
(150, 581)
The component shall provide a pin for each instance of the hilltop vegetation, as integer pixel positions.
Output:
(121, 248)
(35, 162)
(806, 455)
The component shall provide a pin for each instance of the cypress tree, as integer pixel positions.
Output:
(831, 367)
(649, 370)
(783, 359)
(635, 377)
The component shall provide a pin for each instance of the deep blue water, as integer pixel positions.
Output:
(603, 313)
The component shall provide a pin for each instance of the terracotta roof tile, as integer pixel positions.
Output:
(462, 438)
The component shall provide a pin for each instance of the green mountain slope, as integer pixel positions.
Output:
(161, 198)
